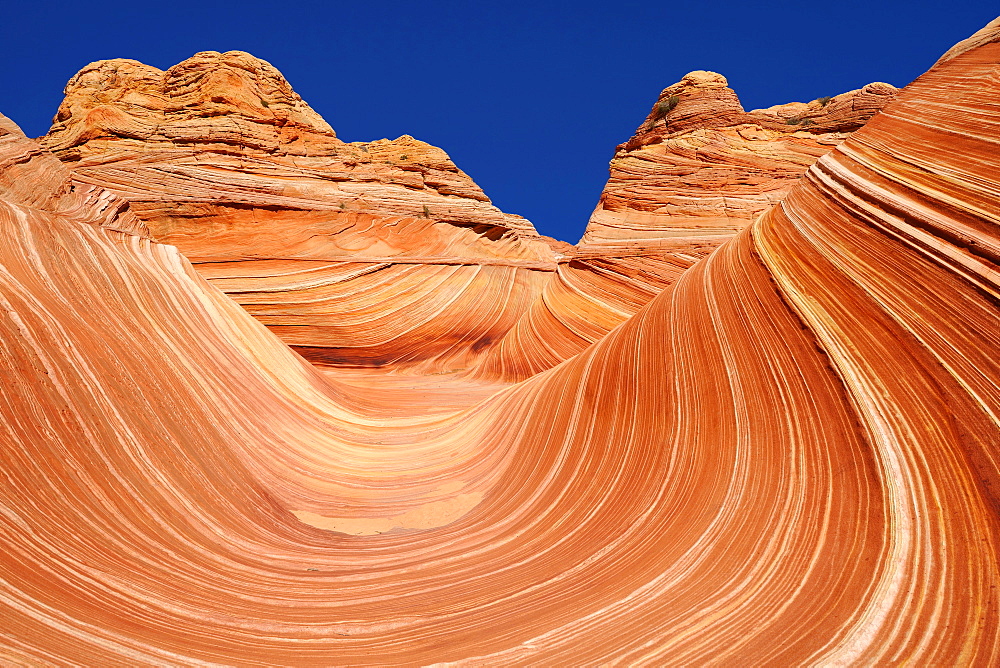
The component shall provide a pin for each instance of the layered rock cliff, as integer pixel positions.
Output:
(698, 169)
(183, 133)
(787, 457)
(222, 159)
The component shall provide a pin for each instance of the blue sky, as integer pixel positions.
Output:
(529, 98)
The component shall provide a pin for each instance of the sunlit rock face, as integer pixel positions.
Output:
(222, 159)
(384, 254)
(698, 169)
(786, 457)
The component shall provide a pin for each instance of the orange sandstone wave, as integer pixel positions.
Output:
(222, 159)
(698, 169)
(788, 456)
(384, 254)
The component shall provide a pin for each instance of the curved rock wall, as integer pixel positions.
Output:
(222, 159)
(789, 456)
(697, 170)
(700, 168)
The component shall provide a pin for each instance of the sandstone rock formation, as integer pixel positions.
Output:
(220, 157)
(698, 170)
(786, 457)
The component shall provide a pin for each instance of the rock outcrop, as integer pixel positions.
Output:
(787, 457)
(698, 170)
(222, 159)
(183, 132)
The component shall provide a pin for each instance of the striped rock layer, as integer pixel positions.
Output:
(352, 252)
(788, 456)
(700, 168)
(384, 254)
(697, 170)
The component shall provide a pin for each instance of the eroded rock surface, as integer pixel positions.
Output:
(222, 159)
(697, 170)
(700, 168)
(787, 457)
(317, 238)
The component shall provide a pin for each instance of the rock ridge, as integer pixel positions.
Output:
(787, 456)
(697, 171)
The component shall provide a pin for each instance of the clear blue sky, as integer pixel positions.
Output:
(529, 98)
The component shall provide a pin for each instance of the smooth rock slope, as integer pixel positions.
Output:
(788, 456)
(383, 254)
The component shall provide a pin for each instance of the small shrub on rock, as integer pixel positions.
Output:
(662, 108)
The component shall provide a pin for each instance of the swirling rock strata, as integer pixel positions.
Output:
(787, 457)
(698, 169)
(221, 158)
(184, 135)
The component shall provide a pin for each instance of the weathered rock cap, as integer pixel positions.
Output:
(704, 100)
(701, 99)
(225, 99)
